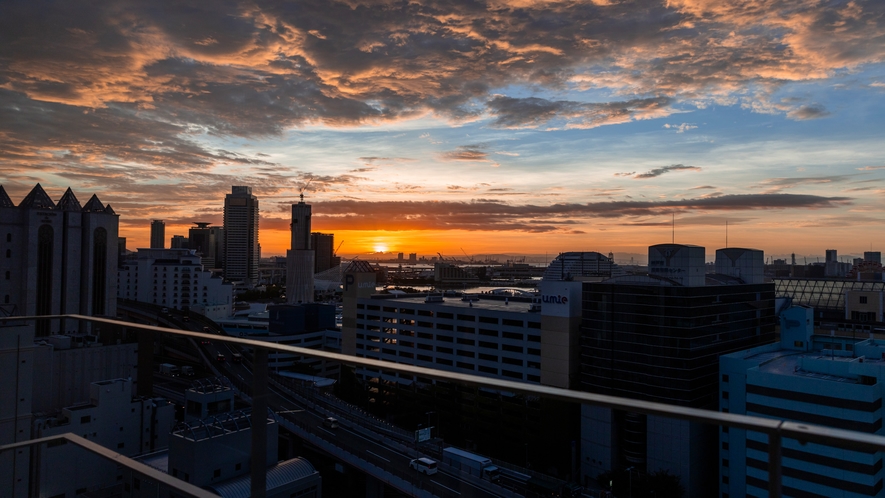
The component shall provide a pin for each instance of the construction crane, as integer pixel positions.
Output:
(469, 258)
(339, 247)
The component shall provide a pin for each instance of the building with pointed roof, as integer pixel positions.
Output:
(57, 257)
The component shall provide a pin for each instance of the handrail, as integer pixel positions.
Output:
(775, 429)
(112, 456)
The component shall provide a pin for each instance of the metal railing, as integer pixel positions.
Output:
(776, 430)
(161, 478)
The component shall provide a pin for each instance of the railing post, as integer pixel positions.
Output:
(774, 464)
(259, 423)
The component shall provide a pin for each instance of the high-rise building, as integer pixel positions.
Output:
(300, 258)
(873, 256)
(158, 234)
(178, 242)
(59, 258)
(658, 338)
(121, 249)
(831, 256)
(241, 236)
(323, 245)
(208, 241)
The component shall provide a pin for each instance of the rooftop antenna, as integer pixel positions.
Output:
(673, 241)
(726, 233)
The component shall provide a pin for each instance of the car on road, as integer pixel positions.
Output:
(206, 330)
(220, 357)
(424, 465)
(330, 423)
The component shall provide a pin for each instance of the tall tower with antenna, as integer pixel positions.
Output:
(300, 258)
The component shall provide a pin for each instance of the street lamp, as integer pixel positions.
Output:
(630, 472)
(437, 420)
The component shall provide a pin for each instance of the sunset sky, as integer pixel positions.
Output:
(493, 126)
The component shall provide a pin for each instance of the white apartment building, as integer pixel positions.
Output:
(495, 338)
(174, 278)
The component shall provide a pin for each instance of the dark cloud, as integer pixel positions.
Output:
(703, 187)
(778, 184)
(535, 112)
(473, 153)
(482, 214)
(666, 169)
(813, 111)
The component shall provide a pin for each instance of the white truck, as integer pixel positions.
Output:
(169, 369)
(474, 465)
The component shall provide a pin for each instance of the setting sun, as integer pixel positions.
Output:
(380, 248)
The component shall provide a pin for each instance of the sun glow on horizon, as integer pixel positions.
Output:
(380, 247)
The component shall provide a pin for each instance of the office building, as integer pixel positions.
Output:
(658, 338)
(58, 258)
(208, 241)
(121, 249)
(241, 253)
(526, 339)
(873, 256)
(179, 242)
(582, 266)
(745, 264)
(307, 325)
(174, 278)
(158, 234)
(323, 245)
(824, 380)
(300, 258)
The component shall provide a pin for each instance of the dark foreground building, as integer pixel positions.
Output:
(652, 338)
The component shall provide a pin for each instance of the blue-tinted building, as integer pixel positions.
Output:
(824, 380)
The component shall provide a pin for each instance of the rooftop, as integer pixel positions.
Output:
(479, 301)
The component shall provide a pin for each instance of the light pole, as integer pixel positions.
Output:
(428, 422)
(630, 479)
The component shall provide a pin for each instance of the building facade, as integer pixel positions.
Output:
(112, 418)
(57, 258)
(323, 245)
(511, 338)
(174, 278)
(824, 380)
(241, 250)
(158, 234)
(652, 338)
(300, 258)
(208, 241)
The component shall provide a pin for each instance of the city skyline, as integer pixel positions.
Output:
(523, 127)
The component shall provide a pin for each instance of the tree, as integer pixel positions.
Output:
(665, 485)
(625, 483)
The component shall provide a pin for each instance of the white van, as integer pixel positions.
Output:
(425, 465)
